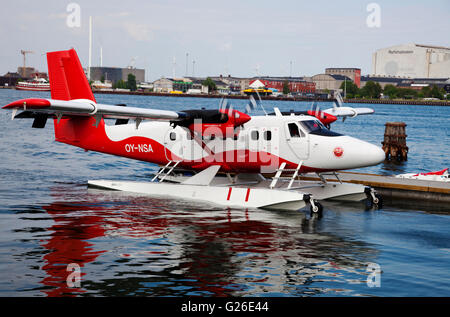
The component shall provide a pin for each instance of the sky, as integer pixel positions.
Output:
(242, 38)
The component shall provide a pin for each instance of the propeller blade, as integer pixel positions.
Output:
(251, 105)
(260, 102)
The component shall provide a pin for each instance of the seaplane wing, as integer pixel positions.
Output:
(86, 107)
(71, 95)
(348, 111)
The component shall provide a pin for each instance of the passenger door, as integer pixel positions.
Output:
(297, 139)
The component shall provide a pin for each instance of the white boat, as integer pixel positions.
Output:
(37, 84)
(440, 176)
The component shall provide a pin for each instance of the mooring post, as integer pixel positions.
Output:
(394, 144)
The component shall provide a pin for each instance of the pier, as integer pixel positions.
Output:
(393, 188)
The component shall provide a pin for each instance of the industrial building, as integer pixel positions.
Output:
(9, 79)
(412, 83)
(413, 61)
(163, 85)
(353, 73)
(329, 82)
(114, 74)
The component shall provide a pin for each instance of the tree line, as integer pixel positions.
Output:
(129, 84)
(373, 90)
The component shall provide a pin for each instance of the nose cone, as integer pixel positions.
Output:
(373, 155)
(349, 153)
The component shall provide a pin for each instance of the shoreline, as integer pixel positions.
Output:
(364, 101)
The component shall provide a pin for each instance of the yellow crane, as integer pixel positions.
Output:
(24, 53)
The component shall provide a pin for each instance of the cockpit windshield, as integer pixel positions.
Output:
(316, 127)
(312, 125)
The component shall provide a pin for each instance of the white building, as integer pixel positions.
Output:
(163, 85)
(412, 60)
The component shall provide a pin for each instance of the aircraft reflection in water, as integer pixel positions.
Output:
(167, 248)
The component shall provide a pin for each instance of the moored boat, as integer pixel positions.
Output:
(37, 84)
(441, 176)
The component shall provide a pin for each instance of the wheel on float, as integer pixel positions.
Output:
(317, 209)
(376, 202)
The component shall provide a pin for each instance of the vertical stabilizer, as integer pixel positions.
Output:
(67, 78)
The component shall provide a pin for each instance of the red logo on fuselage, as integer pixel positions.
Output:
(338, 151)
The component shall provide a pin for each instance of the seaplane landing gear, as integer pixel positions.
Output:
(316, 208)
(374, 200)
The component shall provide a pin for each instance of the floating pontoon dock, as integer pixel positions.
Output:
(391, 187)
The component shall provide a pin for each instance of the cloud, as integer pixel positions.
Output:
(139, 32)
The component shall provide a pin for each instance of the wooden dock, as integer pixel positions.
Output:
(392, 188)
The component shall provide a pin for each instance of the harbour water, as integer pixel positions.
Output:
(132, 245)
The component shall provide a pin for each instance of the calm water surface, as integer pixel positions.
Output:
(129, 244)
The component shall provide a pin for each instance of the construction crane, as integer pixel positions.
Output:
(24, 53)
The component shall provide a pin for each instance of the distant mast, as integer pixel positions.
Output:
(174, 64)
(90, 48)
(101, 56)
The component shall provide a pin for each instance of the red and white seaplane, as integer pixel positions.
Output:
(234, 159)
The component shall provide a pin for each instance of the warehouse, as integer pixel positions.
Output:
(413, 61)
(114, 74)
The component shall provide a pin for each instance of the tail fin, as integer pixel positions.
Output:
(67, 78)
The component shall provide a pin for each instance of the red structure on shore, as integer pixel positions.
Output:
(295, 84)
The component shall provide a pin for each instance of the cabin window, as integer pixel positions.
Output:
(254, 135)
(268, 135)
(293, 130)
(173, 136)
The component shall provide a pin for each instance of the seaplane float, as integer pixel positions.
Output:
(224, 157)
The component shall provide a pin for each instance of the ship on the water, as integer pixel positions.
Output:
(36, 84)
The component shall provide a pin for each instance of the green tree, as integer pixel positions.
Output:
(391, 91)
(436, 92)
(120, 84)
(286, 89)
(371, 90)
(350, 88)
(102, 79)
(210, 84)
(131, 83)
(426, 91)
(406, 93)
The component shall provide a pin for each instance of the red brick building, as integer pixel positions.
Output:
(295, 84)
